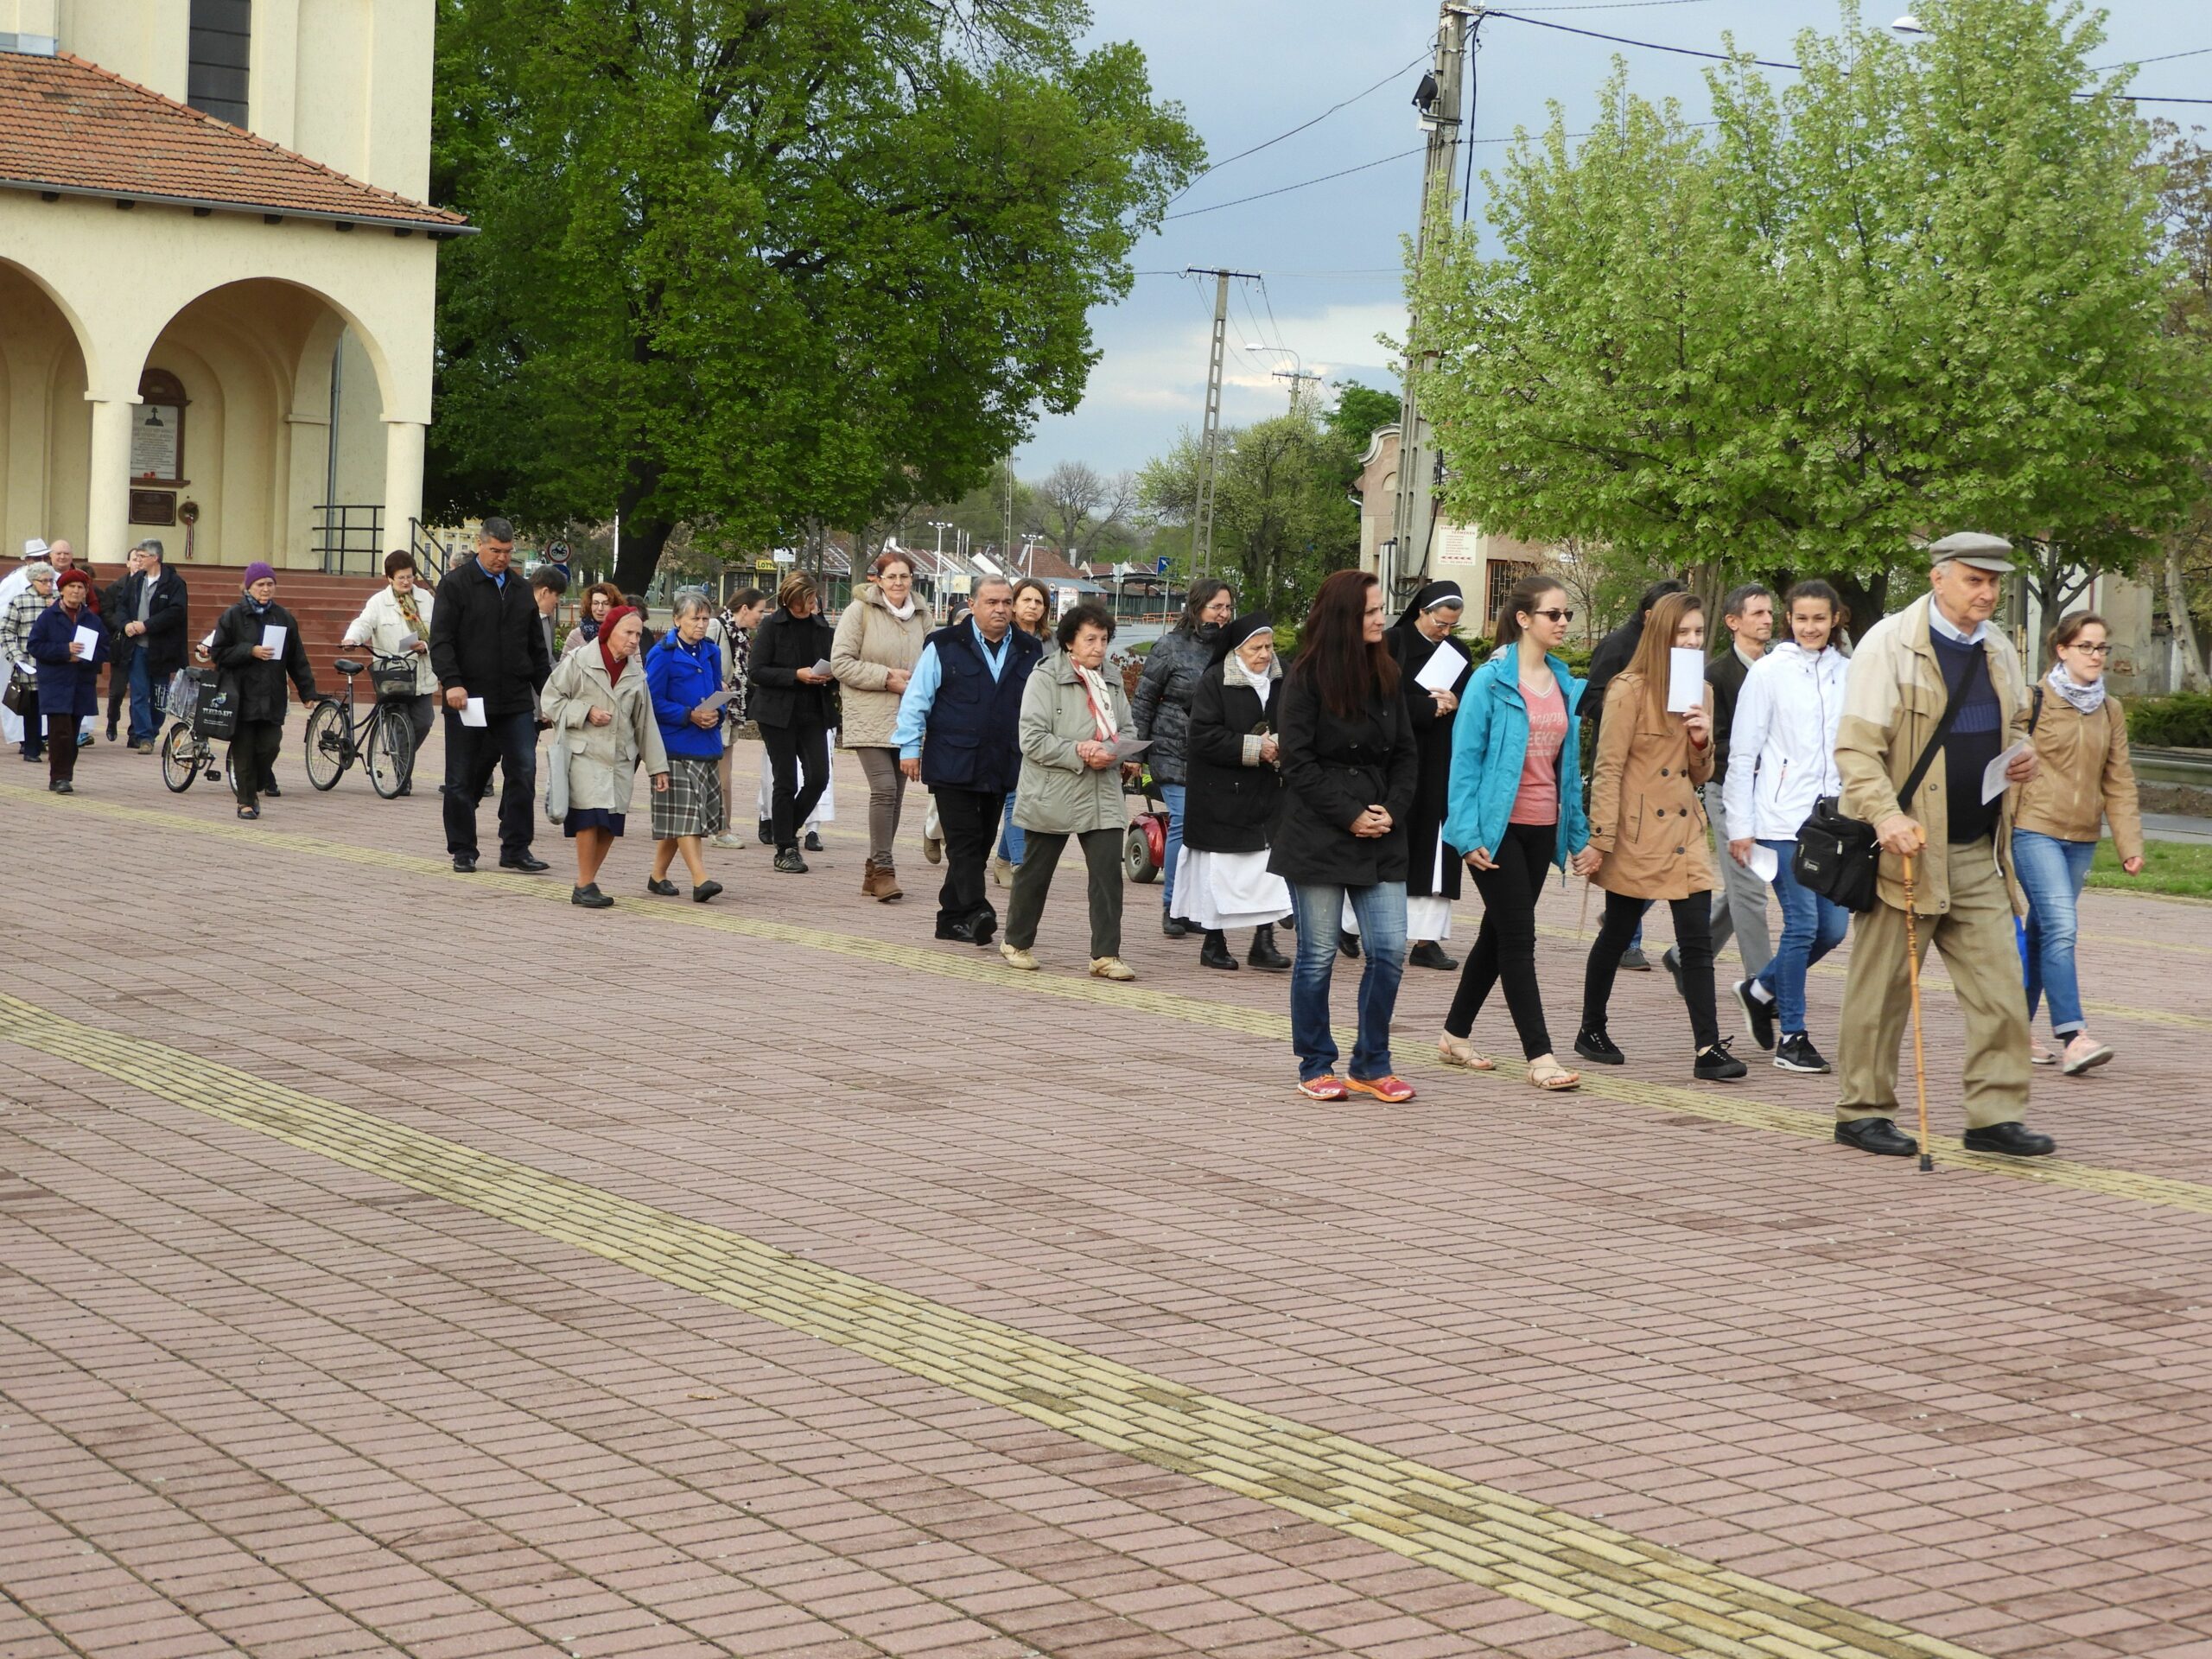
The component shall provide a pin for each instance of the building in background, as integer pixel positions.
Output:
(217, 277)
(1485, 565)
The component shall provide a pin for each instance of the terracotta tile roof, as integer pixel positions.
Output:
(71, 126)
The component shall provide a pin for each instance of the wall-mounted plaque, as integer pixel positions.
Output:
(153, 506)
(157, 431)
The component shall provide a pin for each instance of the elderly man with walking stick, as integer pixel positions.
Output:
(1909, 668)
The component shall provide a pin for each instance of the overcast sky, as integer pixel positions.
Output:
(1246, 70)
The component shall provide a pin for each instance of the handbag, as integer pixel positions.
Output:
(21, 698)
(556, 779)
(1839, 856)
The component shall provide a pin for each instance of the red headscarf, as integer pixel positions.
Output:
(614, 665)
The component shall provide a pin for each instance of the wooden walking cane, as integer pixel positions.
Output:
(1919, 1056)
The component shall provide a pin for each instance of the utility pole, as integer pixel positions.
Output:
(1441, 101)
(1302, 382)
(1210, 438)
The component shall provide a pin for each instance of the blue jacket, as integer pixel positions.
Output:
(1490, 740)
(681, 677)
(67, 685)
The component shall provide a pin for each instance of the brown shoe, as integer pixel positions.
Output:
(868, 882)
(887, 890)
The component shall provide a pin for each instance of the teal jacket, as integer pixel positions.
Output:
(1490, 739)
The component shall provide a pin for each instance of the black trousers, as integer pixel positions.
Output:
(793, 749)
(509, 742)
(118, 686)
(1040, 857)
(253, 757)
(1692, 943)
(970, 821)
(60, 746)
(1505, 947)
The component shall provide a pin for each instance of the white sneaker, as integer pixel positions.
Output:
(727, 840)
(1016, 958)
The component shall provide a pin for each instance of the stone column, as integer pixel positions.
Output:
(107, 508)
(402, 479)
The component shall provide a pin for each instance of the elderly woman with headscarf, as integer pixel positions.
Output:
(34, 595)
(256, 644)
(684, 674)
(603, 728)
(68, 643)
(1231, 792)
(1434, 668)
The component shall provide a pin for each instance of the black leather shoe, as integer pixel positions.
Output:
(767, 833)
(666, 889)
(1263, 955)
(1671, 960)
(465, 863)
(1759, 1017)
(2013, 1140)
(1878, 1136)
(813, 841)
(1598, 1048)
(1173, 926)
(271, 790)
(1716, 1065)
(1429, 954)
(525, 863)
(1349, 943)
(590, 898)
(958, 933)
(705, 891)
(1214, 953)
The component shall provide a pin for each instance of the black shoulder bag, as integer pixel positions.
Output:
(1839, 857)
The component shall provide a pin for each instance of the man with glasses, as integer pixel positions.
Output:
(1908, 669)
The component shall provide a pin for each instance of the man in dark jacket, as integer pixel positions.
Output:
(487, 648)
(148, 620)
(958, 731)
(1613, 654)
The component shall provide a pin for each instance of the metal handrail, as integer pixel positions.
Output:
(431, 554)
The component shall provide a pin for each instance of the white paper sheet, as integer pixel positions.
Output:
(1762, 863)
(272, 639)
(1443, 667)
(1993, 781)
(1685, 679)
(473, 712)
(407, 642)
(1129, 746)
(89, 638)
(716, 701)
(821, 667)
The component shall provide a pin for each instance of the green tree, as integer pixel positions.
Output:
(1358, 412)
(2184, 170)
(1918, 289)
(766, 268)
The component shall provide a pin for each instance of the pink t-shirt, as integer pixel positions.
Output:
(1538, 801)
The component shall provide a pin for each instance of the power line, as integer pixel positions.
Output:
(1343, 103)
(2137, 63)
(1193, 212)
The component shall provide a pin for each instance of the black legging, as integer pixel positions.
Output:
(1505, 946)
(793, 749)
(1693, 944)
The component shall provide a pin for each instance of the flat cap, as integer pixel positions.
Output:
(1971, 546)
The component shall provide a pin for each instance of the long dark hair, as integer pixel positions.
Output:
(1333, 653)
(1526, 595)
(1044, 622)
(1195, 603)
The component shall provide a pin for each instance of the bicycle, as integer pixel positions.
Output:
(186, 752)
(381, 739)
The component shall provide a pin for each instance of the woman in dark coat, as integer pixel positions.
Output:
(1348, 767)
(1232, 788)
(1161, 710)
(790, 702)
(69, 673)
(1427, 628)
(257, 672)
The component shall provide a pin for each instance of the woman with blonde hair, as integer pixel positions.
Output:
(873, 654)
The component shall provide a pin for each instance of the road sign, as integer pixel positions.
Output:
(1159, 569)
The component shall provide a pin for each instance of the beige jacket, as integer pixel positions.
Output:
(1892, 700)
(870, 642)
(2086, 777)
(602, 759)
(381, 626)
(1646, 816)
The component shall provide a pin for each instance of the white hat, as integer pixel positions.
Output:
(36, 548)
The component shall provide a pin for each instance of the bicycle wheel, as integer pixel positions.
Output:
(180, 758)
(390, 756)
(327, 742)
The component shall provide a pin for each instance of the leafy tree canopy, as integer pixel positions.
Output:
(759, 266)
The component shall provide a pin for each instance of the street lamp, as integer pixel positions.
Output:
(1910, 24)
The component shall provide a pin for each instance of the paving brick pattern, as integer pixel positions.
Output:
(253, 1400)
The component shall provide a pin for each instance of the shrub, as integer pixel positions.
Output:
(2181, 722)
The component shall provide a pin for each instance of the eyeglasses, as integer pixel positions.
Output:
(1555, 616)
(2104, 650)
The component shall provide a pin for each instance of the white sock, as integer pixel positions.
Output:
(1760, 994)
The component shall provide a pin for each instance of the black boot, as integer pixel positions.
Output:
(1264, 954)
(1349, 943)
(1213, 952)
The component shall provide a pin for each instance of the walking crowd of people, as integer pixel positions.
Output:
(1343, 795)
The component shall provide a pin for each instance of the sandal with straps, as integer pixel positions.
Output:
(1458, 1051)
(1552, 1078)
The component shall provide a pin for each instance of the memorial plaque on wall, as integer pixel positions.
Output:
(153, 506)
(157, 430)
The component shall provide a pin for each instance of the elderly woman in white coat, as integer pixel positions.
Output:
(603, 728)
(879, 640)
(396, 622)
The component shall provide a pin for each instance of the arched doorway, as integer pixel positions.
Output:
(46, 426)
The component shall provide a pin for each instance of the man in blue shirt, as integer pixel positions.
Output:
(957, 731)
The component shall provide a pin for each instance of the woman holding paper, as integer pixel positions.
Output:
(878, 641)
(397, 622)
(68, 645)
(791, 687)
(603, 729)
(1075, 741)
(1654, 748)
(1782, 759)
(683, 673)
(256, 644)
(1434, 668)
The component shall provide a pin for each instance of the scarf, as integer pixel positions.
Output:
(614, 665)
(2085, 699)
(1101, 701)
(589, 629)
(904, 612)
(412, 617)
(1238, 673)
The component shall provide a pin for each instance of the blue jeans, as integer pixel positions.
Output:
(145, 700)
(2052, 872)
(1380, 911)
(1812, 925)
(1172, 794)
(1009, 833)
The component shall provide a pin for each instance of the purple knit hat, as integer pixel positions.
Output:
(256, 571)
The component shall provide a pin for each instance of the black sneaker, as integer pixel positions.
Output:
(1759, 1017)
(1633, 961)
(1429, 954)
(813, 841)
(1349, 943)
(790, 862)
(1598, 1048)
(1716, 1065)
(1173, 926)
(1797, 1054)
(1671, 960)
(767, 833)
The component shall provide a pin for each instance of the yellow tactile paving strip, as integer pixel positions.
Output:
(1566, 1565)
(1735, 1107)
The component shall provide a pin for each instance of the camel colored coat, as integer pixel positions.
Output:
(1645, 815)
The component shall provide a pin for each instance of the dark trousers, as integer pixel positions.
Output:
(968, 818)
(1693, 942)
(253, 757)
(422, 713)
(61, 747)
(509, 742)
(790, 804)
(1505, 947)
(119, 684)
(1040, 857)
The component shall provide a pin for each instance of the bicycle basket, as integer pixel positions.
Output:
(182, 700)
(393, 680)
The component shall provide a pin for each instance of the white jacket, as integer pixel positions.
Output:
(1782, 748)
(381, 627)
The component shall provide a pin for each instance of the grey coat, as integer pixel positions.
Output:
(1058, 793)
(602, 759)
(1173, 670)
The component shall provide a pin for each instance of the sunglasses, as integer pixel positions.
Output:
(1554, 615)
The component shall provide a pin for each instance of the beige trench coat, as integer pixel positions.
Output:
(1645, 814)
(602, 759)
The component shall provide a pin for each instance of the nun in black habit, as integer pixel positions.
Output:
(1433, 667)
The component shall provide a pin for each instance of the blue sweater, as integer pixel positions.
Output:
(681, 677)
(1490, 740)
